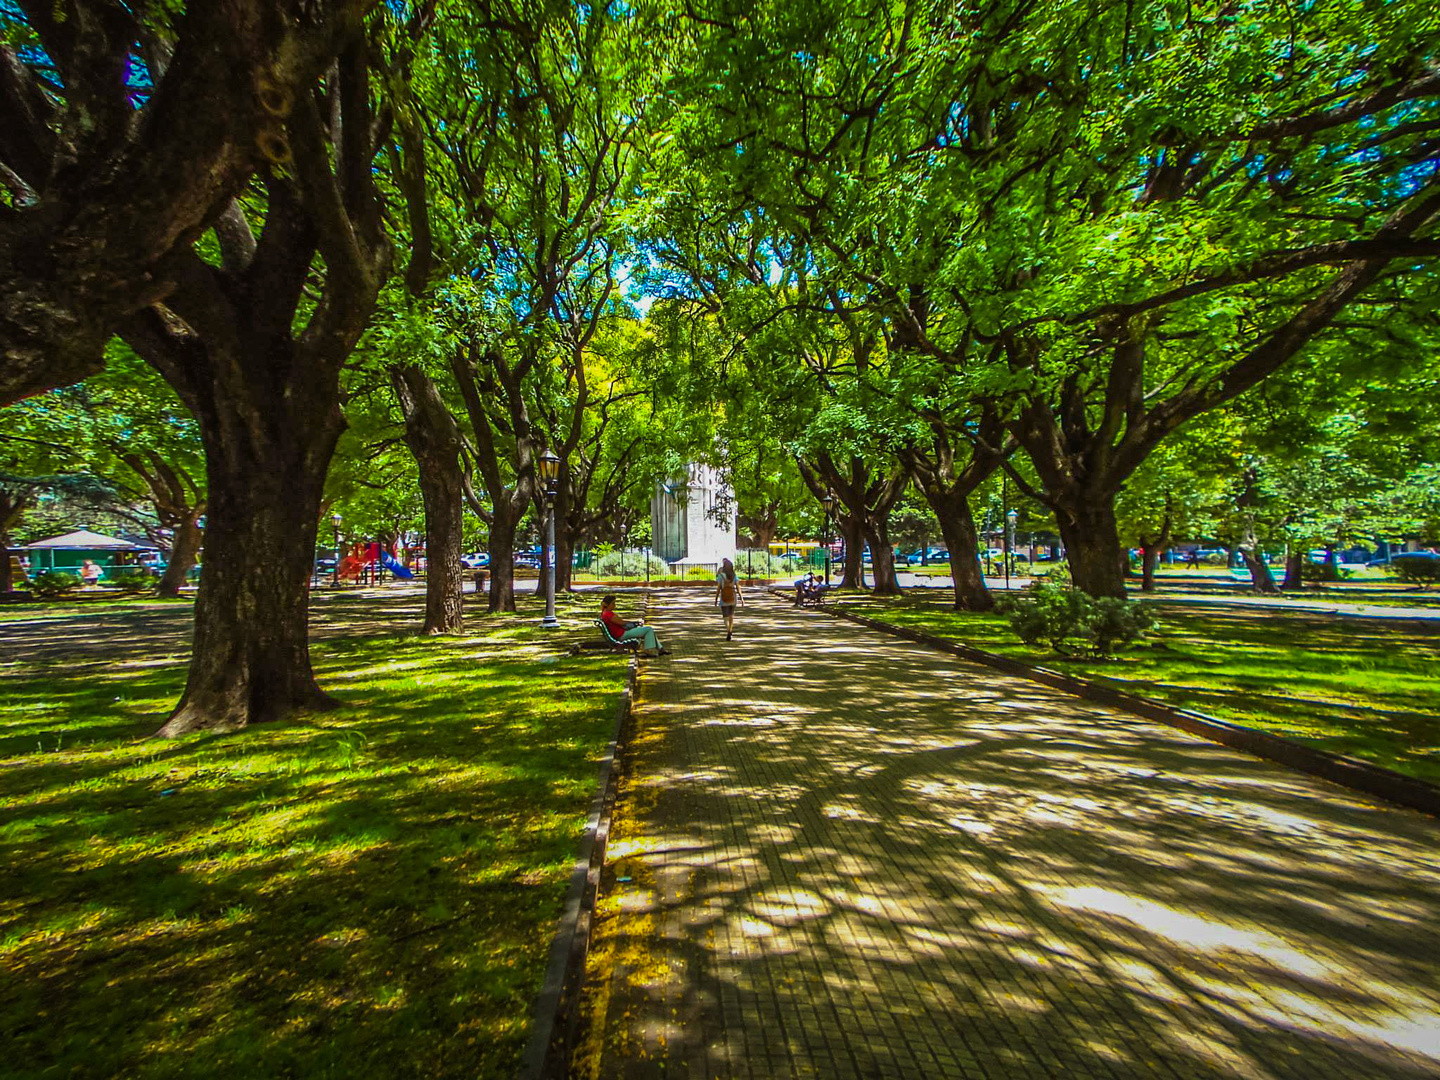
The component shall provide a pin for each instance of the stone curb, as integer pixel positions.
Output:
(547, 1056)
(1356, 775)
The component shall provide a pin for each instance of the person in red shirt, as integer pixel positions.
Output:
(623, 631)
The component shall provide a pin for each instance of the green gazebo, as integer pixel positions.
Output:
(70, 551)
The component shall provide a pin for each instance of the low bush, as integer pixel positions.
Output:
(54, 582)
(130, 581)
(700, 573)
(1072, 621)
(610, 564)
(1416, 571)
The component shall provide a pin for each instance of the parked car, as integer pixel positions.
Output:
(479, 560)
(917, 558)
(526, 560)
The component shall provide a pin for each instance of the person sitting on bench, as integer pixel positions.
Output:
(623, 631)
(809, 590)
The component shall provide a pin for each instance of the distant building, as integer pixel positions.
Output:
(70, 552)
(692, 518)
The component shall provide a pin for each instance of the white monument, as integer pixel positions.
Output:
(692, 518)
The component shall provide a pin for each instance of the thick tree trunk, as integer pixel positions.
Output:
(854, 536)
(502, 562)
(265, 468)
(1260, 575)
(434, 440)
(1150, 559)
(1294, 564)
(962, 540)
(1092, 546)
(882, 558)
(564, 544)
(184, 550)
(7, 578)
(440, 488)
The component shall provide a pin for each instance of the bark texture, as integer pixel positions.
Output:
(434, 439)
(103, 193)
(863, 513)
(948, 471)
(264, 385)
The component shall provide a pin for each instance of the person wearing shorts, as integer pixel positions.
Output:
(728, 596)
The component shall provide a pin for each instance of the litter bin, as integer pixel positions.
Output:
(479, 581)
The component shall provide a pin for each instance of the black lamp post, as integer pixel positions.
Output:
(1010, 520)
(335, 570)
(623, 531)
(549, 475)
(828, 502)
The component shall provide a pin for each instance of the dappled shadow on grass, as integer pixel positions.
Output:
(1364, 688)
(366, 892)
(852, 856)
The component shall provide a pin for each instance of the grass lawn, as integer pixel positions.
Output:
(370, 892)
(1361, 687)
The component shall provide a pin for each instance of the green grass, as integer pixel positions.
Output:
(370, 892)
(1360, 687)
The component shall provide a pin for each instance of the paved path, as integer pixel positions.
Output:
(838, 854)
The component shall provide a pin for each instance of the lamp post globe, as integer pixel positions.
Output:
(549, 468)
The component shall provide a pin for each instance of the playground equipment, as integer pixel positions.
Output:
(367, 558)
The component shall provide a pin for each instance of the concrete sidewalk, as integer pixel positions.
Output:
(838, 854)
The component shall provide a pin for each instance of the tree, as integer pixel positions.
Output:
(254, 343)
(1101, 265)
(125, 130)
(555, 91)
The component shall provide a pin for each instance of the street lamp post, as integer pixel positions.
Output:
(549, 474)
(623, 531)
(335, 570)
(828, 502)
(1010, 520)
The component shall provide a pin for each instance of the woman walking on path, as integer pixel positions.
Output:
(727, 595)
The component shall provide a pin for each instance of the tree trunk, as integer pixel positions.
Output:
(882, 558)
(434, 440)
(1260, 575)
(265, 469)
(183, 552)
(1092, 545)
(1294, 570)
(957, 526)
(1150, 558)
(564, 544)
(7, 580)
(854, 536)
(502, 562)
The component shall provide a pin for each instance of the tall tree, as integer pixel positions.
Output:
(254, 343)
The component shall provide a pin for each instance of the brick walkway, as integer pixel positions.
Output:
(838, 854)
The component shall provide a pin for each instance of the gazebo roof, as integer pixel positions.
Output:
(86, 540)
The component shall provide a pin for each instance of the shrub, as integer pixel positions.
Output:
(54, 582)
(130, 581)
(700, 573)
(1416, 571)
(1072, 621)
(1313, 571)
(607, 564)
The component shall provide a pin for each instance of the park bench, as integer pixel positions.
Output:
(607, 642)
(809, 599)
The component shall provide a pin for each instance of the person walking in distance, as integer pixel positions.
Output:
(728, 596)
